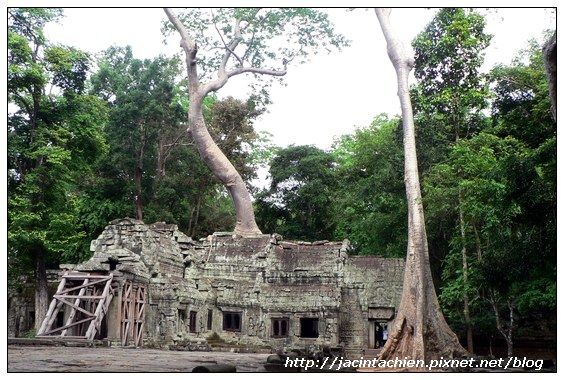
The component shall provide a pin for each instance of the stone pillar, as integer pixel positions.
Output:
(113, 317)
(352, 326)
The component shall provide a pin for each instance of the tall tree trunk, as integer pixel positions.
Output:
(212, 156)
(505, 331)
(466, 310)
(160, 172)
(197, 216)
(139, 176)
(190, 221)
(466, 303)
(549, 54)
(224, 171)
(138, 194)
(41, 289)
(419, 330)
(478, 243)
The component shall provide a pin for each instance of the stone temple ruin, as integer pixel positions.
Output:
(152, 285)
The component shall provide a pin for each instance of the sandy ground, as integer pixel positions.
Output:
(84, 359)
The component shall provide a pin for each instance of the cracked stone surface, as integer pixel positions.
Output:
(84, 359)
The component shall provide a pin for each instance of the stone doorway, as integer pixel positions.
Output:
(376, 334)
(379, 321)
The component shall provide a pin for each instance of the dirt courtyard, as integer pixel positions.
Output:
(85, 359)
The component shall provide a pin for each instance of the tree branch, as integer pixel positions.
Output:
(190, 48)
(187, 43)
(256, 70)
(221, 80)
(231, 46)
(396, 50)
(253, 35)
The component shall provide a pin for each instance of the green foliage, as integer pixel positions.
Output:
(497, 173)
(298, 204)
(448, 54)
(521, 98)
(68, 67)
(267, 38)
(147, 131)
(53, 138)
(370, 207)
(451, 93)
(503, 180)
(29, 22)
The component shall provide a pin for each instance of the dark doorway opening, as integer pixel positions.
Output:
(192, 324)
(181, 317)
(309, 327)
(377, 333)
(210, 319)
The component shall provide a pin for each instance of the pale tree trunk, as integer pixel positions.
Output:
(466, 310)
(41, 289)
(196, 214)
(160, 172)
(138, 177)
(419, 330)
(505, 331)
(138, 194)
(478, 243)
(224, 171)
(466, 303)
(549, 54)
(208, 149)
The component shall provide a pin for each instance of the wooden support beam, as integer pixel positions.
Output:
(80, 297)
(76, 307)
(83, 276)
(95, 324)
(76, 304)
(84, 284)
(54, 315)
(70, 325)
(44, 324)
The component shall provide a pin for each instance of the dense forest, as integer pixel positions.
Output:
(95, 138)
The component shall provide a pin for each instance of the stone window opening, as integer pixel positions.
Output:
(113, 263)
(309, 327)
(232, 321)
(187, 264)
(280, 327)
(210, 319)
(192, 322)
(181, 317)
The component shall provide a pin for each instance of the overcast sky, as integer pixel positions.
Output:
(326, 97)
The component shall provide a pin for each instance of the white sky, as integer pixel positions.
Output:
(326, 97)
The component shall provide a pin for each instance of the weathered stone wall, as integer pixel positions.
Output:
(261, 278)
(264, 278)
(21, 304)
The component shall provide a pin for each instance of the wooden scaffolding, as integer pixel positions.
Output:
(83, 300)
(132, 311)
